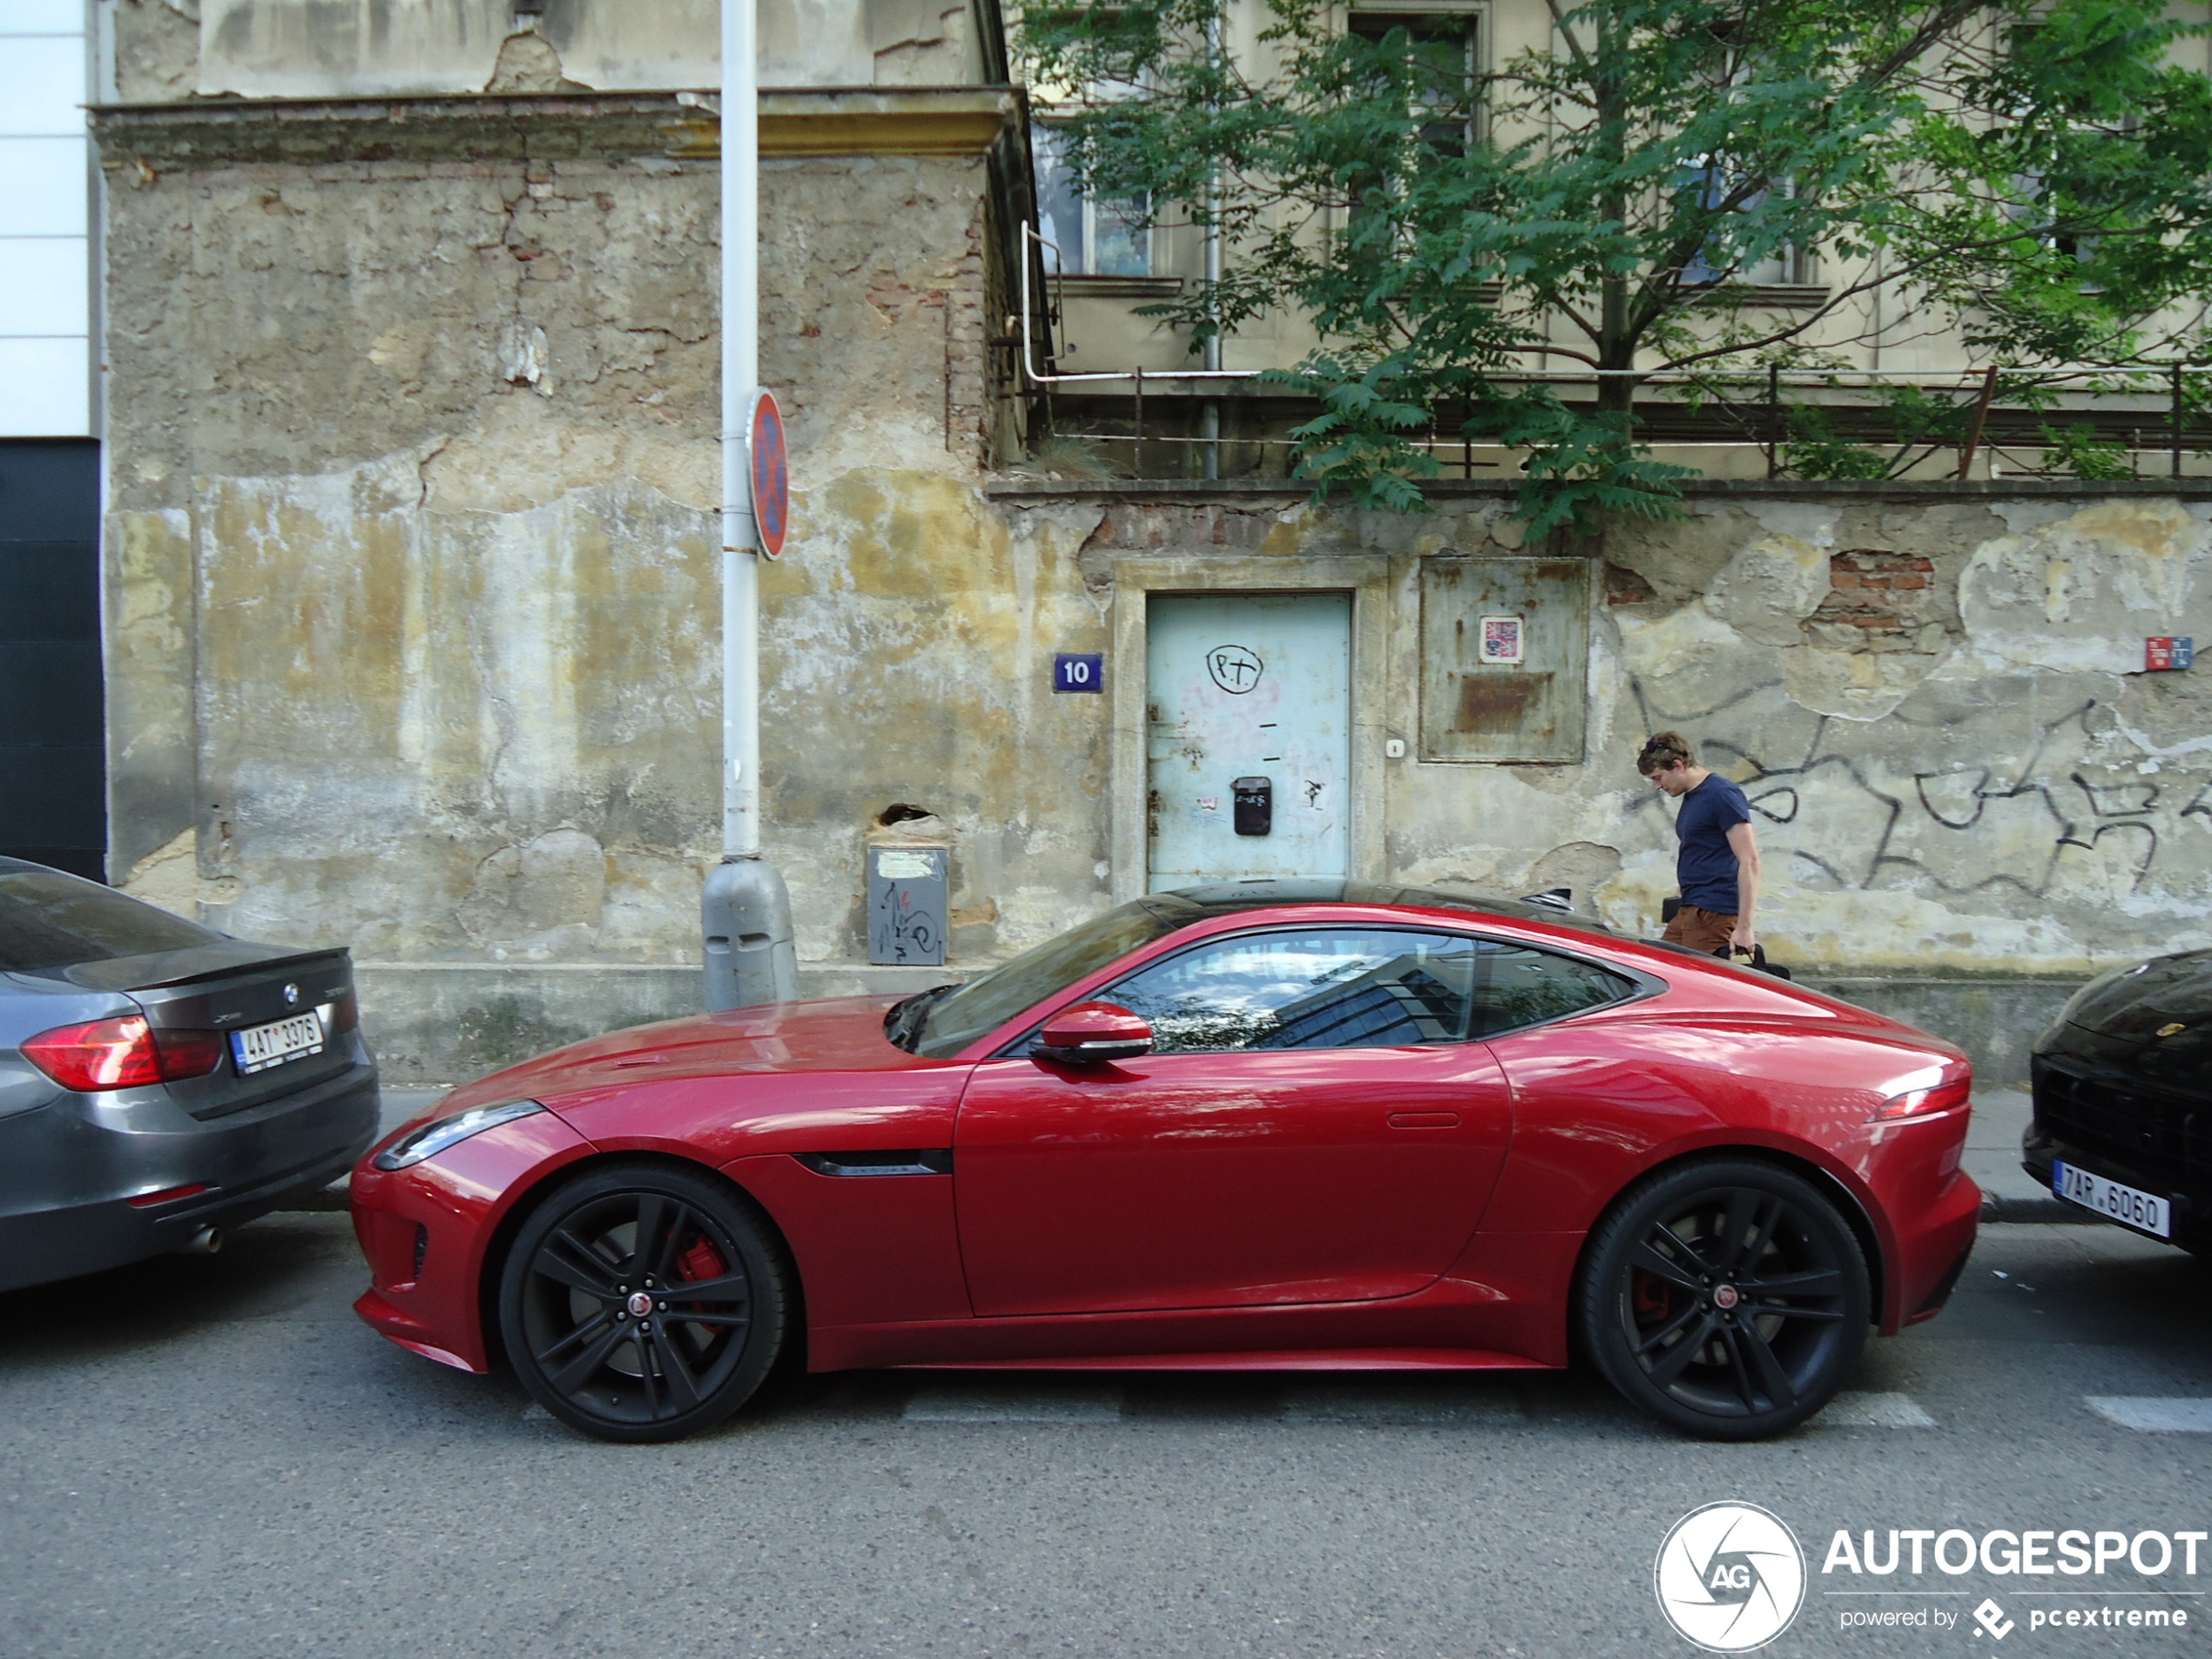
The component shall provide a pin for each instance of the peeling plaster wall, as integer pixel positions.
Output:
(1937, 708)
(307, 48)
(412, 575)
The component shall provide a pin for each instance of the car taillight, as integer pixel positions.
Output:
(1925, 1103)
(122, 1052)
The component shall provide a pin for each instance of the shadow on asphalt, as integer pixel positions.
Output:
(2095, 1283)
(275, 1267)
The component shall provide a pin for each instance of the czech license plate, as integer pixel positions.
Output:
(260, 1046)
(2110, 1198)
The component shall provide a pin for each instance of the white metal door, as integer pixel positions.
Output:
(1254, 686)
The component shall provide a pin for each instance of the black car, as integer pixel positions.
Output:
(160, 1081)
(2123, 1099)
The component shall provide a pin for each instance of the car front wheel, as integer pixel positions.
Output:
(643, 1303)
(1728, 1298)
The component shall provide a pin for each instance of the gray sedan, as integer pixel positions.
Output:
(160, 1081)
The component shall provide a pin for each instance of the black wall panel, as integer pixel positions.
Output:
(53, 713)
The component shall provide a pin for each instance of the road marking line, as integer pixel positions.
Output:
(2151, 1415)
(1410, 1406)
(1873, 1411)
(1009, 1405)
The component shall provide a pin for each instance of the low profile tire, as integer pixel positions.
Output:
(1728, 1298)
(643, 1303)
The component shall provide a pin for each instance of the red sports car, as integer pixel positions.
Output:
(1261, 1126)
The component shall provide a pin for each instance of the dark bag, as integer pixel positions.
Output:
(1670, 908)
(1758, 964)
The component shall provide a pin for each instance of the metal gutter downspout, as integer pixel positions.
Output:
(750, 953)
(1210, 412)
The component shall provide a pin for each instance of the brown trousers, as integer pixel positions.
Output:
(1699, 928)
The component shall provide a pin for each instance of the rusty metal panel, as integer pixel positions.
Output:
(1505, 660)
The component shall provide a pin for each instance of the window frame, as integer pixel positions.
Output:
(1044, 126)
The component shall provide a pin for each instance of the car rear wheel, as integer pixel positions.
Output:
(1728, 1298)
(643, 1303)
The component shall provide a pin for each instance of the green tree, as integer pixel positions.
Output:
(2031, 175)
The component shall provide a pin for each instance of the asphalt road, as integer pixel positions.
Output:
(212, 1456)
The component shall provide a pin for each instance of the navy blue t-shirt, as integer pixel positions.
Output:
(1706, 864)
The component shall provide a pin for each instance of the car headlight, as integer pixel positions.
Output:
(441, 1132)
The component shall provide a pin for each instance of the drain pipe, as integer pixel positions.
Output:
(1210, 411)
(750, 954)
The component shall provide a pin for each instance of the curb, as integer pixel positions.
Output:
(1996, 1207)
(330, 1200)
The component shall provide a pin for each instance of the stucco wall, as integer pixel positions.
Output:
(412, 573)
(310, 48)
(1937, 705)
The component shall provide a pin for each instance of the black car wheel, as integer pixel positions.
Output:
(1728, 1298)
(643, 1303)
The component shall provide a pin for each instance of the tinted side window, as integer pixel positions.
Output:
(1336, 987)
(1518, 985)
(48, 919)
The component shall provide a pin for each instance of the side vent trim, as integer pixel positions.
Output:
(906, 1161)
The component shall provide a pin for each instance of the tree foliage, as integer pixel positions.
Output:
(2028, 176)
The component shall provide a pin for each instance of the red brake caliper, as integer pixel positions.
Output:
(701, 1261)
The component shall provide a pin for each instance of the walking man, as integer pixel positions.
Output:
(1718, 866)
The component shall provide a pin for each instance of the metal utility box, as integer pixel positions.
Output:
(1252, 805)
(1505, 660)
(906, 905)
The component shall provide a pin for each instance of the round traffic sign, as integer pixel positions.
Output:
(771, 473)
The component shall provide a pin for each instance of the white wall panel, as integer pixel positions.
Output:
(45, 389)
(43, 285)
(44, 186)
(42, 84)
(42, 16)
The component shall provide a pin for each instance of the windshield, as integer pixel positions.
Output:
(955, 1019)
(48, 919)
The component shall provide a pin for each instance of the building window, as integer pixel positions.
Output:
(1094, 236)
(1443, 68)
(1726, 258)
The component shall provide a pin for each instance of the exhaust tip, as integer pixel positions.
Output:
(206, 1241)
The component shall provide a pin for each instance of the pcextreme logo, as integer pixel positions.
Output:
(1729, 1577)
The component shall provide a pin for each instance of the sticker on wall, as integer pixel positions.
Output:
(1500, 645)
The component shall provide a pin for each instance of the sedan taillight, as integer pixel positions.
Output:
(122, 1052)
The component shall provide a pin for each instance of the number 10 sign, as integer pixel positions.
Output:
(1072, 671)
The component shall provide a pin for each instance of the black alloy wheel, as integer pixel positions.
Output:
(642, 1302)
(1728, 1298)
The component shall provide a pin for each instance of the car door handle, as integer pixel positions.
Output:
(1424, 1120)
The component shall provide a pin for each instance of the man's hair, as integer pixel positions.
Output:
(1663, 751)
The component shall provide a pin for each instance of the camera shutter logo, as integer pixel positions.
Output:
(1729, 1577)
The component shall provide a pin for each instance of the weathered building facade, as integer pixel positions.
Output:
(411, 562)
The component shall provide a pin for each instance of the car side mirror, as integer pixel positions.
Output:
(1092, 1034)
